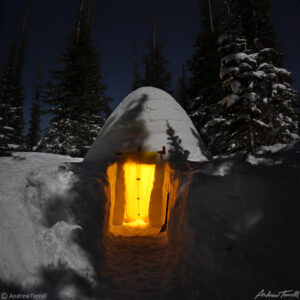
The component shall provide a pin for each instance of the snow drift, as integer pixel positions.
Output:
(38, 252)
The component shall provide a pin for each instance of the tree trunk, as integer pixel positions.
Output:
(79, 19)
(210, 16)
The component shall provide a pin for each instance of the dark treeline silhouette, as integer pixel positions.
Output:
(154, 63)
(235, 88)
(12, 91)
(34, 132)
(76, 95)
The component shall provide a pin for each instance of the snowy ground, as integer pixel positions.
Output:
(232, 233)
(135, 264)
(29, 183)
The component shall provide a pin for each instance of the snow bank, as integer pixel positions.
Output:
(238, 229)
(37, 226)
(232, 231)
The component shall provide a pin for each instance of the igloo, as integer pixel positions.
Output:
(142, 137)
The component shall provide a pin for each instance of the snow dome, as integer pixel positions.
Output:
(146, 131)
(148, 119)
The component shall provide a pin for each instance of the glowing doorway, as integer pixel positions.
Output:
(138, 180)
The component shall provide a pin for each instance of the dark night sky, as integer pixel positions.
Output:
(118, 23)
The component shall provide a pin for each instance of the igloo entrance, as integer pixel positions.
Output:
(139, 180)
(138, 191)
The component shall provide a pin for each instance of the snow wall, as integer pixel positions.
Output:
(235, 226)
(238, 227)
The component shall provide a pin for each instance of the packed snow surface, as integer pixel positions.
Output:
(28, 183)
(144, 260)
(141, 121)
(235, 220)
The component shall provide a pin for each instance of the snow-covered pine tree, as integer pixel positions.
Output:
(182, 95)
(241, 120)
(155, 62)
(7, 95)
(278, 98)
(34, 133)
(205, 89)
(256, 21)
(76, 97)
(260, 105)
(136, 76)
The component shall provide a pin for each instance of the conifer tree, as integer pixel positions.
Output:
(76, 95)
(204, 85)
(7, 95)
(241, 121)
(183, 92)
(275, 86)
(155, 62)
(278, 98)
(255, 19)
(136, 77)
(34, 133)
(19, 97)
(176, 150)
(259, 108)
(12, 93)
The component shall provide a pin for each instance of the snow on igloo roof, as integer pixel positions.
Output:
(145, 120)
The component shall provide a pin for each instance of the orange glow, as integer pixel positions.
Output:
(136, 223)
(138, 186)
